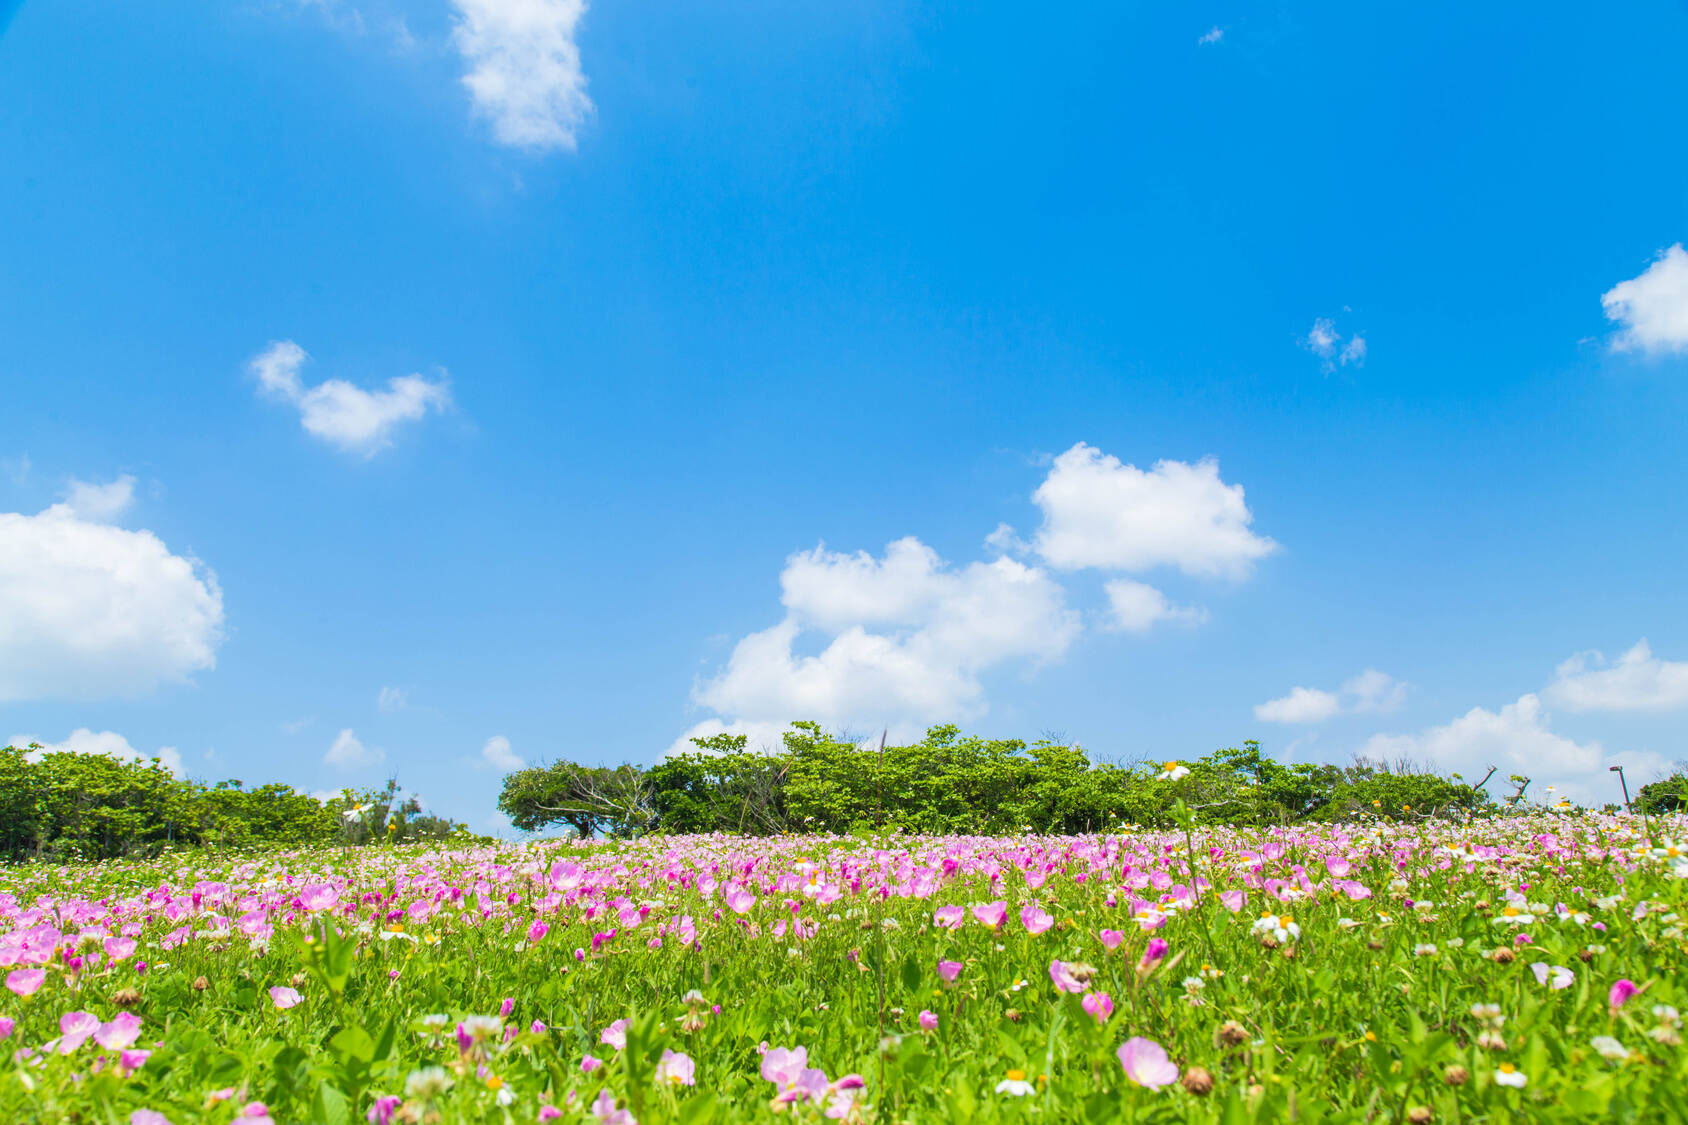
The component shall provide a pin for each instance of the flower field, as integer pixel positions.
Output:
(1517, 969)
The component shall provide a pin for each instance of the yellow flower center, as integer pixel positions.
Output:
(1016, 1076)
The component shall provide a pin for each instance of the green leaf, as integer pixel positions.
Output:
(911, 973)
(329, 1107)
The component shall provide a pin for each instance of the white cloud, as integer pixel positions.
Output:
(294, 726)
(1369, 692)
(348, 753)
(1517, 739)
(1323, 340)
(392, 699)
(1134, 607)
(1653, 308)
(1301, 705)
(107, 742)
(1211, 36)
(906, 640)
(524, 69)
(89, 611)
(1639, 681)
(496, 753)
(100, 503)
(352, 418)
(1098, 512)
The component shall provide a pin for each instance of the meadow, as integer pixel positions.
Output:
(1512, 968)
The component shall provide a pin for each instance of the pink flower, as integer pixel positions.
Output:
(991, 914)
(1061, 973)
(1099, 1004)
(1146, 1064)
(1153, 952)
(148, 1117)
(589, 1063)
(507, 1007)
(25, 981)
(120, 1032)
(381, 1113)
(6, 1026)
(117, 948)
(75, 1028)
(949, 970)
(1233, 900)
(1035, 919)
(948, 917)
(792, 1076)
(677, 1068)
(739, 900)
(537, 1028)
(928, 1020)
(255, 1113)
(1621, 992)
(318, 896)
(131, 1061)
(549, 1113)
(615, 1035)
(1112, 938)
(285, 997)
(607, 1113)
(537, 931)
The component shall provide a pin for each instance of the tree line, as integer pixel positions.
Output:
(950, 783)
(68, 806)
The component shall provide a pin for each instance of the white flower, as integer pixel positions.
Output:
(1509, 1075)
(1280, 926)
(1554, 976)
(427, 1084)
(1015, 1084)
(1172, 771)
(1610, 1048)
(1489, 1014)
(1423, 949)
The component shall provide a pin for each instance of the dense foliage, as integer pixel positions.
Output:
(1507, 969)
(71, 806)
(950, 783)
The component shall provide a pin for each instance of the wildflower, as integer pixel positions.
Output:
(382, 1110)
(505, 1008)
(677, 1068)
(1015, 1085)
(1035, 918)
(1508, 1075)
(1065, 979)
(285, 997)
(148, 1117)
(1621, 992)
(1279, 927)
(427, 1084)
(1099, 1004)
(948, 917)
(948, 971)
(255, 1113)
(120, 1033)
(25, 981)
(928, 1020)
(615, 1035)
(1152, 954)
(1198, 1081)
(1555, 977)
(792, 1076)
(75, 1028)
(1173, 771)
(1146, 1064)
(589, 1063)
(607, 1112)
(991, 914)
(6, 1026)
(537, 931)
(1424, 949)
(1610, 1048)
(1111, 938)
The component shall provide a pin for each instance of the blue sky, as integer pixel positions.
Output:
(1317, 347)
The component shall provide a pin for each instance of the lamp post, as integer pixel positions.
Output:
(1619, 770)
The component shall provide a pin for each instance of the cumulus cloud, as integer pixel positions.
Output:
(392, 699)
(100, 503)
(496, 753)
(107, 742)
(1134, 607)
(1637, 681)
(524, 69)
(1099, 512)
(1369, 692)
(1211, 36)
(1517, 739)
(339, 413)
(89, 611)
(348, 753)
(1652, 308)
(905, 639)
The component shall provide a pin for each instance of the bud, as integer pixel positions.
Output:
(1420, 1115)
(200, 984)
(1268, 941)
(1503, 956)
(1374, 945)
(1584, 956)
(1456, 1076)
(1232, 1033)
(126, 997)
(300, 980)
(1287, 953)
(1198, 1081)
(1012, 1015)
